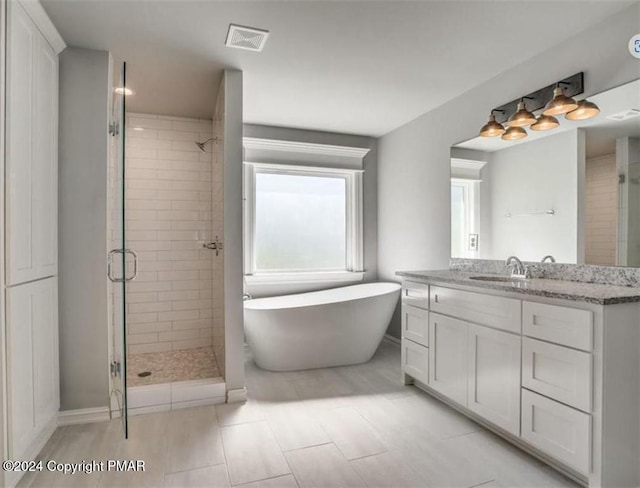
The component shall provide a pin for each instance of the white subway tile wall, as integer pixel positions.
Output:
(174, 204)
(601, 210)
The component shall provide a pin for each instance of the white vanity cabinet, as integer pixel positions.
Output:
(557, 377)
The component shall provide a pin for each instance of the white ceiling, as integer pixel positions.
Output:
(601, 139)
(361, 67)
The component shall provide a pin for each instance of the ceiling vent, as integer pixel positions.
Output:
(626, 115)
(246, 38)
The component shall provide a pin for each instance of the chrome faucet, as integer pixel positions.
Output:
(548, 258)
(518, 270)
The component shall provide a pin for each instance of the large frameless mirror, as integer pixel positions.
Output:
(572, 192)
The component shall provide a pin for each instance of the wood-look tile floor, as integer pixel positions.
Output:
(353, 426)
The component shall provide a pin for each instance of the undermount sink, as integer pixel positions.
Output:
(502, 279)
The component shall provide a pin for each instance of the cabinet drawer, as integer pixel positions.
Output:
(567, 326)
(416, 294)
(415, 324)
(499, 312)
(558, 430)
(415, 360)
(558, 372)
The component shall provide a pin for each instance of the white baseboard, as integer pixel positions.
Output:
(169, 396)
(198, 403)
(132, 412)
(83, 416)
(390, 338)
(236, 396)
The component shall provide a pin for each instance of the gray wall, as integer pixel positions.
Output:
(370, 199)
(83, 153)
(3, 52)
(413, 160)
(233, 262)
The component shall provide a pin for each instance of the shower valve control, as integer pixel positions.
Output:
(214, 246)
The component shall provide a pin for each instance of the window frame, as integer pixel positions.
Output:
(354, 224)
(471, 190)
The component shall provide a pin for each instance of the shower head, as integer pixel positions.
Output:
(201, 145)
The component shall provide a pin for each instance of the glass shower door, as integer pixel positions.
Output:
(117, 266)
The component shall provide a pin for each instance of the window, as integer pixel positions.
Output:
(302, 223)
(464, 218)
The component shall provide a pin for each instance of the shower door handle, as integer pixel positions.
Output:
(124, 279)
(112, 253)
(135, 265)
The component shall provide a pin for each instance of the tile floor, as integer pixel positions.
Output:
(171, 366)
(353, 426)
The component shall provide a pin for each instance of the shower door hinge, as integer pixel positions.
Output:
(114, 129)
(115, 368)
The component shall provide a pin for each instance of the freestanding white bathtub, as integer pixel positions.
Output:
(319, 329)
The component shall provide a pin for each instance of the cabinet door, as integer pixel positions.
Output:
(448, 357)
(32, 358)
(32, 153)
(494, 376)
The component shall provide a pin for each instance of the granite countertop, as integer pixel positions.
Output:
(566, 290)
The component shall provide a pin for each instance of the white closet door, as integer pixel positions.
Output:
(32, 336)
(32, 126)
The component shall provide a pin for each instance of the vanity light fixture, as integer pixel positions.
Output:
(545, 122)
(522, 117)
(492, 128)
(547, 102)
(514, 133)
(585, 110)
(560, 103)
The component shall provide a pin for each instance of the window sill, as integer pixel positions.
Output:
(318, 277)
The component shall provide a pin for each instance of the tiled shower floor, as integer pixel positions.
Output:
(172, 366)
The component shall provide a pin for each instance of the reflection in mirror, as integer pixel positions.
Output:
(572, 192)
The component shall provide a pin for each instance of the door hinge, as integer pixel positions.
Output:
(114, 367)
(114, 129)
